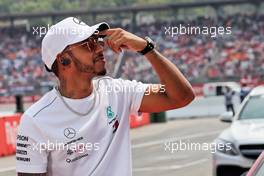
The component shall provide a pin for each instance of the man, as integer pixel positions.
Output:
(229, 100)
(82, 126)
(244, 91)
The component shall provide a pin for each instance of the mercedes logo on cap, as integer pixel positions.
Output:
(69, 133)
(77, 21)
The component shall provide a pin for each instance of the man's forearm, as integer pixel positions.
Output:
(177, 86)
(178, 89)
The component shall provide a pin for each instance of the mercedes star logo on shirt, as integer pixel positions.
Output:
(69, 133)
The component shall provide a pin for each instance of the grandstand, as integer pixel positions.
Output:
(201, 58)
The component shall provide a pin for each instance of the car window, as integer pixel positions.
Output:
(260, 171)
(253, 109)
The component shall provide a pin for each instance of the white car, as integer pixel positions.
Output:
(241, 144)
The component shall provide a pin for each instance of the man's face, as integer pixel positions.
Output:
(87, 57)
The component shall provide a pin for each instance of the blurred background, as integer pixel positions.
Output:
(211, 64)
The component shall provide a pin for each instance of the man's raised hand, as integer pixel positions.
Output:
(118, 39)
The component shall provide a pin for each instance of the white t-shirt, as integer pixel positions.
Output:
(53, 139)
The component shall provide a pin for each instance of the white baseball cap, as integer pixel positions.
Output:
(66, 32)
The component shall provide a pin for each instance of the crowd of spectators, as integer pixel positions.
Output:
(204, 58)
(200, 57)
(20, 63)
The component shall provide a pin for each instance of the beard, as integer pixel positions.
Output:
(83, 68)
(97, 70)
(91, 70)
(101, 73)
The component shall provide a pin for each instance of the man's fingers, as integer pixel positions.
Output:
(120, 43)
(111, 40)
(114, 36)
(111, 45)
(115, 39)
(102, 32)
(107, 32)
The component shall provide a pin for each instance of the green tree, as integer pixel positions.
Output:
(20, 6)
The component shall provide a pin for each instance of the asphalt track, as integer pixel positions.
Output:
(152, 149)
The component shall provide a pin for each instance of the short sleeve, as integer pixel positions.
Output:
(133, 92)
(30, 158)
